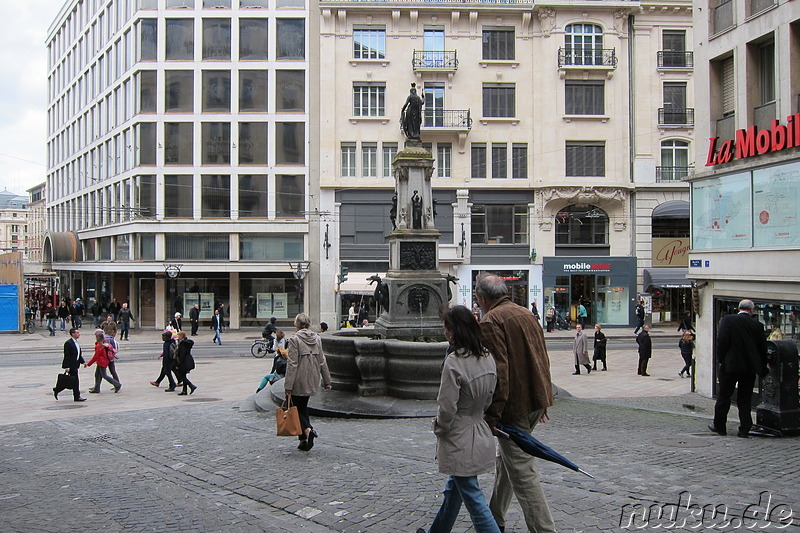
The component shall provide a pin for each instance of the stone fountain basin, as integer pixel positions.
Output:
(363, 363)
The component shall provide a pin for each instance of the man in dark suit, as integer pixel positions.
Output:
(645, 349)
(72, 361)
(194, 318)
(741, 354)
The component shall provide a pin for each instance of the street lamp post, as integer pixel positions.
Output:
(173, 272)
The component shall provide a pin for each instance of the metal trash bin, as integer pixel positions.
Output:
(779, 410)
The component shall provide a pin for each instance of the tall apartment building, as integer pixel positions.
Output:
(561, 132)
(179, 153)
(745, 229)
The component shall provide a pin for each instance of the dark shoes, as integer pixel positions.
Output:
(311, 436)
(303, 446)
(181, 394)
(80, 399)
(171, 389)
(576, 373)
(193, 389)
(155, 383)
(55, 393)
(743, 434)
(92, 391)
(645, 374)
(116, 389)
(714, 429)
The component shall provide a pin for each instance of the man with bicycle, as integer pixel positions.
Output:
(269, 334)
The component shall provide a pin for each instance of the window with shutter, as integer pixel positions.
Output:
(728, 87)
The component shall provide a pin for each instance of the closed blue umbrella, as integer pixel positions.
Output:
(532, 446)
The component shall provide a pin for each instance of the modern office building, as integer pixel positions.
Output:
(560, 131)
(179, 157)
(746, 188)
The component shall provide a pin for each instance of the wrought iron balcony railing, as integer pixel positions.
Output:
(676, 116)
(447, 119)
(675, 59)
(435, 60)
(671, 173)
(587, 57)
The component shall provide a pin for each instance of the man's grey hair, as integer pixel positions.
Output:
(747, 305)
(491, 287)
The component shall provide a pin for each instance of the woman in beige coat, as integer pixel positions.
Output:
(304, 367)
(464, 443)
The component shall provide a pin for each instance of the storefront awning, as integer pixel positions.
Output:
(357, 283)
(666, 278)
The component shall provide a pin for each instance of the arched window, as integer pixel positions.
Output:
(582, 226)
(583, 44)
(674, 161)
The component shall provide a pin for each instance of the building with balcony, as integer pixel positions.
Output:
(179, 156)
(745, 230)
(13, 223)
(37, 218)
(560, 133)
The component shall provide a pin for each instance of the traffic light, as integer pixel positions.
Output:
(343, 274)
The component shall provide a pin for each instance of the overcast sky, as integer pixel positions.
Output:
(23, 91)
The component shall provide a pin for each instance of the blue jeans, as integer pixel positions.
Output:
(463, 489)
(217, 335)
(124, 329)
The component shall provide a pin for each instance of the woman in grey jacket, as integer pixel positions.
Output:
(304, 367)
(464, 443)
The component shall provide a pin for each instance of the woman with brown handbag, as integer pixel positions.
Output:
(304, 367)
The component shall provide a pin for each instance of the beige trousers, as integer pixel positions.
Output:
(516, 475)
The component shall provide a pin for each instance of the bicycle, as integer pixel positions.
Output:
(260, 348)
(30, 325)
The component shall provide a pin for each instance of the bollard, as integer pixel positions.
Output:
(779, 410)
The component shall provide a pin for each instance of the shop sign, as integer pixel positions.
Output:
(749, 143)
(587, 267)
(671, 252)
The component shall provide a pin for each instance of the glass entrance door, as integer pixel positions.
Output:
(582, 292)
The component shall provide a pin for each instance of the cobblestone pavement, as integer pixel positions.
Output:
(203, 466)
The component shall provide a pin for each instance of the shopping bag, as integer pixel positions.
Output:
(287, 419)
(65, 381)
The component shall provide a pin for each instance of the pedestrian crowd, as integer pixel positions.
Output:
(495, 374)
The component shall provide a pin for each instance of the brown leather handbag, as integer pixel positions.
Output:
(287, 419)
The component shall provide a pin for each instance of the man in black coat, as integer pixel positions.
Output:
(645, 349)
(72, 361)
(741, 354)
(194, 318)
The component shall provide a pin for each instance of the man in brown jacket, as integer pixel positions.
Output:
(523, 394)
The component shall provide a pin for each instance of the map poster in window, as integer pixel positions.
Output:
(206, 304)
(279, 305)
(264, 305)
(189, 299)
(721, 213)
(776, 200)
